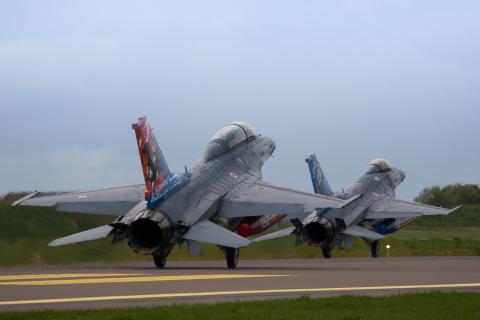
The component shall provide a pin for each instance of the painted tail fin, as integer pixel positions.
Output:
(319, 181)
(154, 166)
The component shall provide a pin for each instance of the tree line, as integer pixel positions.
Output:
(450, 195)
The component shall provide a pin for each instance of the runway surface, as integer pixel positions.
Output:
(134, 284)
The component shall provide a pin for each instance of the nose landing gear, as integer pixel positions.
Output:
(375, 248)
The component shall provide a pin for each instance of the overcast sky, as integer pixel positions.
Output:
(347, 80)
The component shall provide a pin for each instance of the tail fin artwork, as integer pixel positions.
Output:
(159, 180)
(319, 180)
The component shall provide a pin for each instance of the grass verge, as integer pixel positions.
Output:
(26, 231)
(423, 306)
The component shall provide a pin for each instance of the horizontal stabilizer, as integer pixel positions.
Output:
(209, 232)
(359, 231)
(92, 234)
(277, 234)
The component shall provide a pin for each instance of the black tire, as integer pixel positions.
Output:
(232, 255)
(375, 248)
(327, 252)
(160, 260)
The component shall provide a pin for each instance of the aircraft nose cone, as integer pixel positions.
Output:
(398, 176)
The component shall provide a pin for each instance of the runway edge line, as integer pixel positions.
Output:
(237, 292)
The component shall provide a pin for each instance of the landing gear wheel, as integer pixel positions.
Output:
(327, 252)
(375, 248)
(160, 260)
(232, 254)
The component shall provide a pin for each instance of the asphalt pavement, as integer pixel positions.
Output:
(135, 284)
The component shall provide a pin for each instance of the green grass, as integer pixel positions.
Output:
(26, 231)
(425, 306)
(467, 216)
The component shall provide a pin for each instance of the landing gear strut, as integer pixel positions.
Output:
(375, 248)
(159, 259)
(326, 251)
(232, 254)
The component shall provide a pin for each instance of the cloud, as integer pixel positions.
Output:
(65, 168)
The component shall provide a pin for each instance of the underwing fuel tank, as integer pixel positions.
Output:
(254, 225)
(390, 227)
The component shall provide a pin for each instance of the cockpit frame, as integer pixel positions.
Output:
(229, 137)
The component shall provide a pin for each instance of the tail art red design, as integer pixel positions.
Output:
(154, 166)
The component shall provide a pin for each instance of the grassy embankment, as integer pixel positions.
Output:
(423, 306)
(26, 231)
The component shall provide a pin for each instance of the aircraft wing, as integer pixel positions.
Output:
(114, 201)
(402, 209)
(260, 198)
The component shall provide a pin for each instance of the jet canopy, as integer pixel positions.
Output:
(378, 166)
(228, 138)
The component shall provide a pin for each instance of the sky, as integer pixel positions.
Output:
(348, 80)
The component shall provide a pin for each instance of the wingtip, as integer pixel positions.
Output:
(24, 198)
(455, 209)
(54, 243)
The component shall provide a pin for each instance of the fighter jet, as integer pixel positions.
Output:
(221, 200)
(371, 210)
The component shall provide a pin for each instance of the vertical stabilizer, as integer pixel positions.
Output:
(319, 181)
(154, 167)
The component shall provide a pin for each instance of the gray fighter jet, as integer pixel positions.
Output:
(371, 210)
(218, 201)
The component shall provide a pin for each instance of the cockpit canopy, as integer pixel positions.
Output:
(229, 137)
(378, 166)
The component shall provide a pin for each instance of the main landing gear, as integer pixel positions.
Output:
(375, 248)
(159, 259)
(232, 255)
(326, 251)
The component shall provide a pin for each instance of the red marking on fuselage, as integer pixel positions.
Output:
(254, 225)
